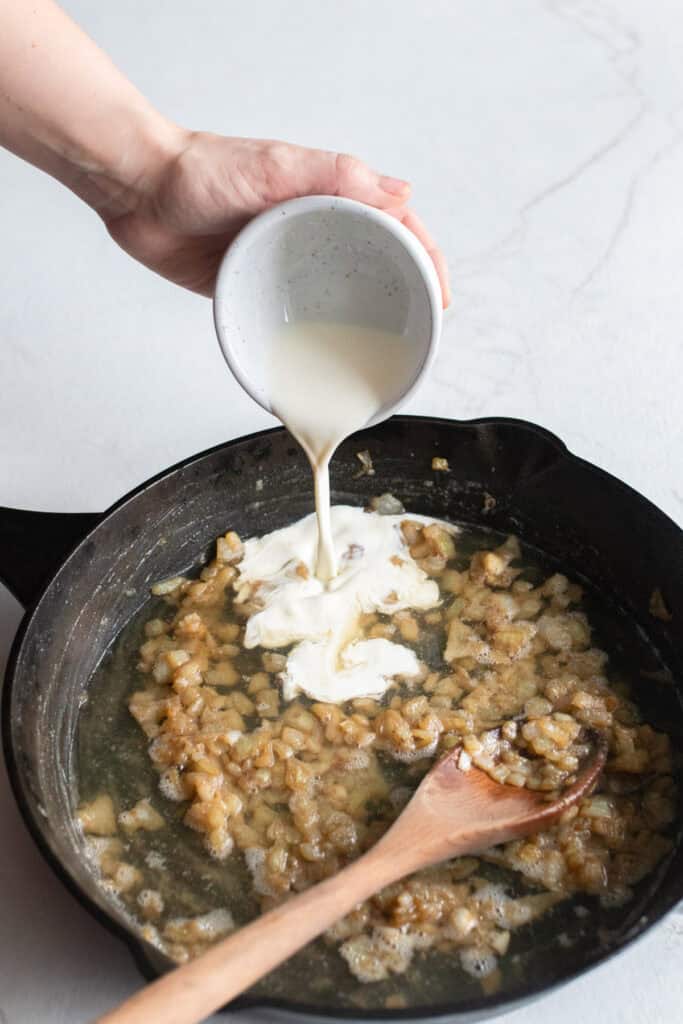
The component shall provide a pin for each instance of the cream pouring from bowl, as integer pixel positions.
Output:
(328, 312)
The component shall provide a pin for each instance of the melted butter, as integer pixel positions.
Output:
(376, 573)
(328, 380)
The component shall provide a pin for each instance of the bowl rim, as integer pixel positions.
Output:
(471, 1009)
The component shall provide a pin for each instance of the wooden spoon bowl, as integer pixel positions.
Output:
(452, 812)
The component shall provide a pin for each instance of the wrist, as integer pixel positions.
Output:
(128, 163)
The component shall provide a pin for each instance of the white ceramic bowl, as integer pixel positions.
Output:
(323, 258)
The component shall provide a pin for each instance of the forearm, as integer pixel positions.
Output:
(65, 108)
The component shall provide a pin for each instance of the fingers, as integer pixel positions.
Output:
(338, 174)
(311, 171)
(411, 220)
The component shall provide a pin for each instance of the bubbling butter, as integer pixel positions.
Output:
(320, 621)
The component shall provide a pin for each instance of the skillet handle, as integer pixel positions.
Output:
(34, 544)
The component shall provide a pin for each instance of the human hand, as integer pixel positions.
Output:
(171, 198)
(189, 209)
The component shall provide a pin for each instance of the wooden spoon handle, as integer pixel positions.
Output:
(190, 993)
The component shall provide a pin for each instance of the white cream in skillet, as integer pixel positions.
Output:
(315, 578)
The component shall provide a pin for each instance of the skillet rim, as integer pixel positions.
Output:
(472, 1009)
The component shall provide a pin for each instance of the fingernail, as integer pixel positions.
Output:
(394, 186)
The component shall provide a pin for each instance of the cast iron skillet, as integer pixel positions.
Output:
(78, 602)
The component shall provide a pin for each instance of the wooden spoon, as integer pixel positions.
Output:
(451, 813)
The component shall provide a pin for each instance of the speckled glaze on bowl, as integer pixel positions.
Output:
(330, 259)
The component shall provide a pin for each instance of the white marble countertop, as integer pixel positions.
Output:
(544, 141)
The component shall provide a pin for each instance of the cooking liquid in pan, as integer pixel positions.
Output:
(113, 759)
(328, 380)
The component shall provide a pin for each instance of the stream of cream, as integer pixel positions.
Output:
(328, 380)
(313, 580)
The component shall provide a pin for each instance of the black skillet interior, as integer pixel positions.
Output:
(588, 522)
